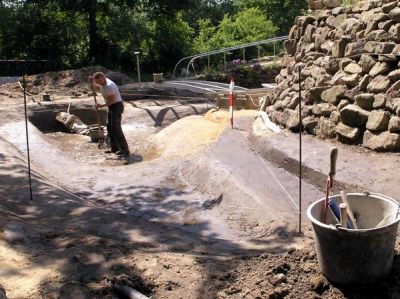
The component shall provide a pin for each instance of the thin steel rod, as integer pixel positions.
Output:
(300, 150)
(27, 141)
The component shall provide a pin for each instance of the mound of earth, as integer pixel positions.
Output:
(61, 83)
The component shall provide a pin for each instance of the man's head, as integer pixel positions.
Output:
(99, 78)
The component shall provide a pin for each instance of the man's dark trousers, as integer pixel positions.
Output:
(117, 138)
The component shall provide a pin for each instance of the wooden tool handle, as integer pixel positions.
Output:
(343, 214)
(349, 210)
(332, 164)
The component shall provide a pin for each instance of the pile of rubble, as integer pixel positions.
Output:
(62, 83)
(345, 61)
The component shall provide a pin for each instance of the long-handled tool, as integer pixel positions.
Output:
(349, 210)
(329, 182)
(99, 129)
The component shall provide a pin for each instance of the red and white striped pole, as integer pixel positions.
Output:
(231, 87)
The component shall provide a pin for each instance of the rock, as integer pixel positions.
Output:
(303, 21)
(371, 26)
(354, 116)
(365, 100)
(348, 134)
(278, 279)
(326, 128)
(309, 33)
(315, 93)
(366, 62)
(378, 35)
(319, 284)
(384, 141)
(337, 79)
(333, 94)
(386, 8)
(339, 47)
(335, 117)
(395, 87)
(290, 46)
(394, 32)
(394, 75)
(385, 25)
(337, 11)
(342, 104)
(309, 124)
(380, 68)
(379, 84)
(380, 101)
(353, 68)
(323, 109)
(353, 49)
(350, 80)
(392, 104)
(294, 102)
(394, 124)
(378, 120)
(362, 85)
(293, 122)
(344, 62)
(332, 3)
(394, 14)
(379, 47)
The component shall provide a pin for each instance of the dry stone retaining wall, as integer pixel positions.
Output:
(346, 61)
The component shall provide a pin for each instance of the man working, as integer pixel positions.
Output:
(113, 101)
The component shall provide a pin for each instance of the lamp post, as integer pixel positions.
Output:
(138, 65)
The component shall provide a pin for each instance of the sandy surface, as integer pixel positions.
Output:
(201, 210)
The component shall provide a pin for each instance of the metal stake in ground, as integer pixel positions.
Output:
(300, 150)
(99, 129)
(231, 87)
(27, 139)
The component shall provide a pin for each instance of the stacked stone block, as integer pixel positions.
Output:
(346, 62)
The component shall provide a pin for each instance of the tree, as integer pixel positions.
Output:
(281, 12)
(247, 26)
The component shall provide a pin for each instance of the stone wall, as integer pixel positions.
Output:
(346, 62)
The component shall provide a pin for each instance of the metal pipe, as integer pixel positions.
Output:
(138, 66)
(244, 54)
(27, 140)
(266, 41)
(224, 62)
(300, 150)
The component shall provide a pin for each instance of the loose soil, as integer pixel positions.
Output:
(169, 225)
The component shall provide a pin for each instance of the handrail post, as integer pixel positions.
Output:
(224, 62)
(258, 52)
(244, 54)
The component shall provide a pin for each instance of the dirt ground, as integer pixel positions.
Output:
(172, 224)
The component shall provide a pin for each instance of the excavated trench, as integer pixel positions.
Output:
(182, 173)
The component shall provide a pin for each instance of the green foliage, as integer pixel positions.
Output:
(281, 12)
(247, 26)
(75, 33)
(168, 40)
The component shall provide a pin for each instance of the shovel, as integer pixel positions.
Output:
(329, 182)
(99, 129)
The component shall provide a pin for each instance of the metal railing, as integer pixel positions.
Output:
(192, 58)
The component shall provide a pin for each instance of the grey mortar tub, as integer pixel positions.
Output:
(360, 255)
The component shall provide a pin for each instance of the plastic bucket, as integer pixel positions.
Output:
(360, 255)
(95, 134)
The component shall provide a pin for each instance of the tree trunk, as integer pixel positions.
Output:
(92, 7)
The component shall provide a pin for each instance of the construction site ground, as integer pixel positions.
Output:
(200, 211)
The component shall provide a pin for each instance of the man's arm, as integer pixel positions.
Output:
(110, 99)
(95, 87)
